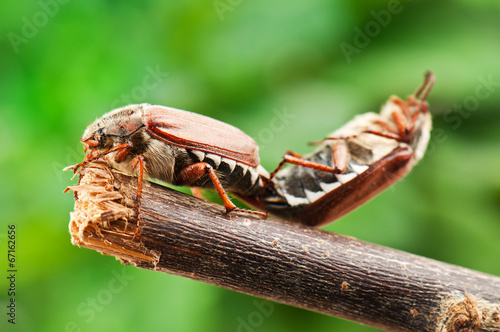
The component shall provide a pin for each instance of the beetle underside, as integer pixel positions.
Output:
(351, 165)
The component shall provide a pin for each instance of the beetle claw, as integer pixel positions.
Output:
(264, 214)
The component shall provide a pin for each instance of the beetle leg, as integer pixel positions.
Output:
(386, 126)
(339, 161)
(122, 152)
(422, 93)
(191, 173)
(402, 105)
(195, 171)
(340, 155)
(197, 192)
(385, 134)
(421, 109)
(421, 104)
(405, 121)
(121, 148)
(140, 177)
(426, 87)
(401, 122)
(280, 166)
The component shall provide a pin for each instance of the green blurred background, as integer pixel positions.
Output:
(62, 64)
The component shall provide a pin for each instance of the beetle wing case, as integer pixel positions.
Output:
(195, 131)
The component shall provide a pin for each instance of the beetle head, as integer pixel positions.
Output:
(113, 128)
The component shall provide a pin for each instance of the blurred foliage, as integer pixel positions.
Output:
(242, 62)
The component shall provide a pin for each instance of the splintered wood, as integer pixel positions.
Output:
(102, 216)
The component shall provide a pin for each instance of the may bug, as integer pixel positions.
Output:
(351, 165)
(178, 147)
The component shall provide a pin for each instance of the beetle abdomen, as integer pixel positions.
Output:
(301, 186)
(235, 176)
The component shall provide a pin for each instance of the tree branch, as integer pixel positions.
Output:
(284, 262)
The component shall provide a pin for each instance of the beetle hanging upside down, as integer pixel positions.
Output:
(352, 164)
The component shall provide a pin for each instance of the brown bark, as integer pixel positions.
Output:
(284, 262)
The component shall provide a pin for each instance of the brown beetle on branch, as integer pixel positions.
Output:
(178, 147)
(352, 165)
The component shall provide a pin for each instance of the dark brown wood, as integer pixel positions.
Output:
(280, 261)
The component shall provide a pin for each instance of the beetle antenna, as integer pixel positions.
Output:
(426, 87)
(422, 93)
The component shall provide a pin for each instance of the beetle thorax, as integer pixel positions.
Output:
(118, 124)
